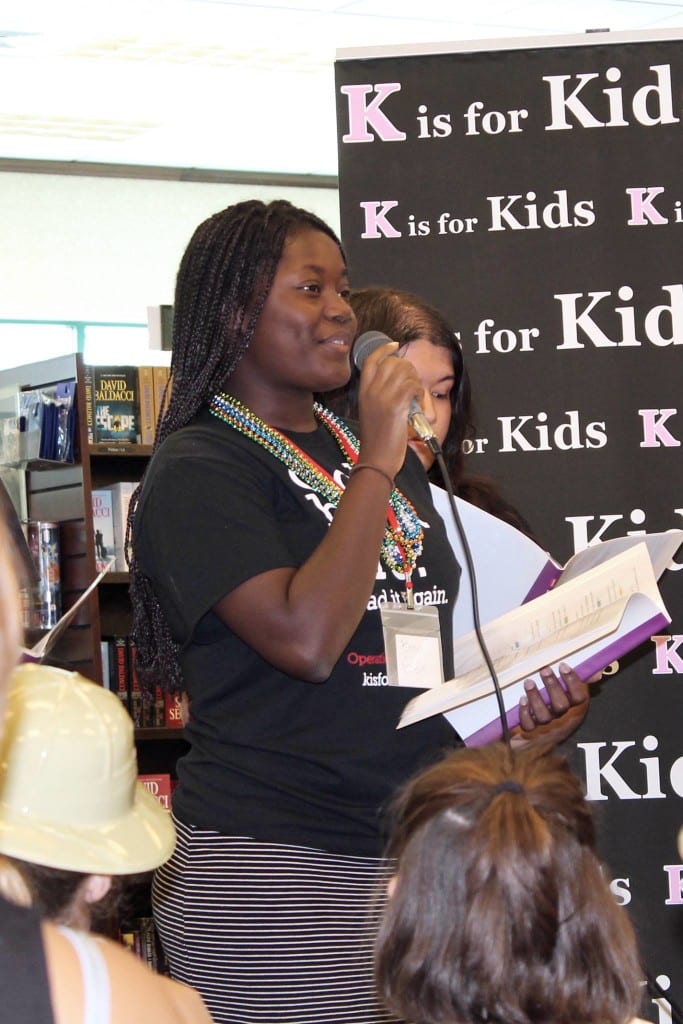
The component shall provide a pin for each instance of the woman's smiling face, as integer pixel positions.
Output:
(303, 337)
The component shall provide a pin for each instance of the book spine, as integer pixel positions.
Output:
(159, 708)
(161, 376)
(121, 495)
(106, 667)
(134, 688)
(148, 942)
(146, 398)
(172, 719)
(89, 387)
(120, 666)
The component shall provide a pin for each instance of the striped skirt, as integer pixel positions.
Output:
(271, 934)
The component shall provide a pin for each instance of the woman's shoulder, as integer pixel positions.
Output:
(205, 445)
(138, 995)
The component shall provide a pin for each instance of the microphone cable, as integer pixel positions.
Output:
(469, 562)
(363, 346)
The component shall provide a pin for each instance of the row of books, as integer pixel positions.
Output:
(141, 938)
(122, 403)
(109, 519)
(147, 709)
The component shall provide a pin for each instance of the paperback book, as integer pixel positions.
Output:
(159, 785)
(103, 528)
(112, 404)
(121, 493)
(603, 603)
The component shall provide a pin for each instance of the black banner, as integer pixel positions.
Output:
(535, 195)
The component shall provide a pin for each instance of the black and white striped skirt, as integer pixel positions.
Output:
(268, 933)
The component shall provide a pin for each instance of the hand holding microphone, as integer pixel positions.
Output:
(365, 345)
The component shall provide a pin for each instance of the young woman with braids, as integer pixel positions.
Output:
(264, 538)
(499, 910)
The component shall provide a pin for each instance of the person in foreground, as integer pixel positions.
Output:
(499, 911)
(266, 536)
(91, 824)
(426, 340)
(45, 969)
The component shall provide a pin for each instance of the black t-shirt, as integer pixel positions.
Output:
(272, 756)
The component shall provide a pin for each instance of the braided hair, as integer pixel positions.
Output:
(223, 282)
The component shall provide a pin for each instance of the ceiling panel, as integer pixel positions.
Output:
(235, 86)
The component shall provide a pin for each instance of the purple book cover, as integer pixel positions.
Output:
(585, 669)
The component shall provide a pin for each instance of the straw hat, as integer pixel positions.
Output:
(69, 795)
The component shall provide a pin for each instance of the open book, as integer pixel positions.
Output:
(47, 642)
(601, 604)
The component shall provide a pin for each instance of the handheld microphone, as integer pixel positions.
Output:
(362, 347)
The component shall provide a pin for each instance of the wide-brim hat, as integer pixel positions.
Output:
(69, 794)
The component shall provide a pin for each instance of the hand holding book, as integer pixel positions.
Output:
(602, 604)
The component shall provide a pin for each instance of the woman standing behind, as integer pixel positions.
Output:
(428, 342)
(447, 401)
(264, 539)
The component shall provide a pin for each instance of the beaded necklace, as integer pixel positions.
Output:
(403, 535)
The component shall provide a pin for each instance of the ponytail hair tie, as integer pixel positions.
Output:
(507, 786)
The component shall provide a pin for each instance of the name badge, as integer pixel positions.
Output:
(412, 645)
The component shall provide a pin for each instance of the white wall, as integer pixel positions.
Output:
(91, 248)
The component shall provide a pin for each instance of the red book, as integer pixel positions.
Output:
(172, 719)
(134, 689)
(159, 786)
(121, 670)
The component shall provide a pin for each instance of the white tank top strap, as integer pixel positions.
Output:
(96, 988)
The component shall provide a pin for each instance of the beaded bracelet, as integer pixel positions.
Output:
(368, 465)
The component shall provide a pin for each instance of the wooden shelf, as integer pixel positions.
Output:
(125, 451)
(116, 579)
(159, 733)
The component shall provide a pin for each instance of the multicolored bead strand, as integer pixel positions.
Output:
(403, 537)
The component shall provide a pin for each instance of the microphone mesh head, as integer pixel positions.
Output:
(365, 344)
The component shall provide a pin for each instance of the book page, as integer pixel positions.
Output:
(507, 563)
(511, 568)
(661, 549)
(478, 721)
(47, 642)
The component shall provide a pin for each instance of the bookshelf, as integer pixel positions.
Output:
(62, 493)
